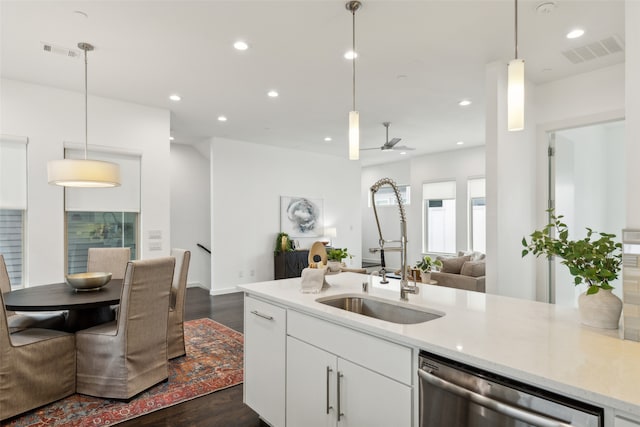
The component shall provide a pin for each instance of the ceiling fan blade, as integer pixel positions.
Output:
(389, 144)
(403, 148)
(373, 148)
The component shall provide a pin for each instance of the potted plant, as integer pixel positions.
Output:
(335, 257)
(595, 261)
(426, 265)
(283, 243)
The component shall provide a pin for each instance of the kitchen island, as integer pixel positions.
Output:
(536, 343)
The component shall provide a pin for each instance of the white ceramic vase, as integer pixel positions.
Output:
(334, 266)
(425, 276)
(600, 310)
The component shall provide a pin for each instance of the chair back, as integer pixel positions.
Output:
(110, 260)
(179, 285)
(5, 283)
(5, 341)
(144, 305)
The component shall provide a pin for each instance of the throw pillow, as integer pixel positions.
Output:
(473, 269)
(475, 255)
(453, 265)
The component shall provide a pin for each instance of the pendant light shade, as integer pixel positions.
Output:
(515, 95)
(354, 116)
(515, 86)
(354, 135)
(83, 172)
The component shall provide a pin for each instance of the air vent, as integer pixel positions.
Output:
(598, 49)
(59, 50)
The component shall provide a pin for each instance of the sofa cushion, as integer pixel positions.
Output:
(454, 264)
(473, 268)
(475, 255)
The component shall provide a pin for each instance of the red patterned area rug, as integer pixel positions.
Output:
(213, 362)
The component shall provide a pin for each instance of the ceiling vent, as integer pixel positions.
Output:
(598, 49)
(59, 50)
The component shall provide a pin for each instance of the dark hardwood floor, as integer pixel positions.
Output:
(222, 408)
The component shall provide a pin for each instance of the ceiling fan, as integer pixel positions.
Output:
(390, 145)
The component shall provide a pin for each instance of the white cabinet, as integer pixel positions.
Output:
(324, 388)
(623, 422)
(264, 359)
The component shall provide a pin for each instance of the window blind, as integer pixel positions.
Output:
(13, 172)
(439, 190)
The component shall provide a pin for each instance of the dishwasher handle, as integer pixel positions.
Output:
(487, 402)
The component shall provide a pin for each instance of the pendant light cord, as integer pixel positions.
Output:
(353, 47)
(86, 113)
(516, 29)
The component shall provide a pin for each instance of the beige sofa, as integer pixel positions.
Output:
(462, 272)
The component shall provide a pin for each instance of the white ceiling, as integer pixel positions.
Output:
(417, 59)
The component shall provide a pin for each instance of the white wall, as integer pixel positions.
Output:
(247, 182)
(458, 165)
(632, 102)
(190, 210)
(49, 117)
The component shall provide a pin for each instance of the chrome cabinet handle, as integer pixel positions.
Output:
(502, 408)
(340, 414)
(264, 316)
(329, 407)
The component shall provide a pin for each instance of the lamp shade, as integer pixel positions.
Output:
(354, 135)
(83, 173)
(515, 95)
(331, 232)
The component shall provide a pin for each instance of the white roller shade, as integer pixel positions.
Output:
(13, 172)
(476, 188)
(439, 190)
(125, 198)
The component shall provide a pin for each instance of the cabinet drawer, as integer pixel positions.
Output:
(384, 357)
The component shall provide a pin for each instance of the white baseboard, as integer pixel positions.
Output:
(224, 291)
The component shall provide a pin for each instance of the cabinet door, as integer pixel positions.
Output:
(264, 360)
(311, 389)
(370, 399)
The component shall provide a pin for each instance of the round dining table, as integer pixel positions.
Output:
(85, 308)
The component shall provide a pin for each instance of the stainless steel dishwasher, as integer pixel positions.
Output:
(453, 394)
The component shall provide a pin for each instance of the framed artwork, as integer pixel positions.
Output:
(301, 216)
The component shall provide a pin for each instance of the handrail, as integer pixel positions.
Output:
(203, 247)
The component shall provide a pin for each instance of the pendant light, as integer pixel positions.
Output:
(84, 172)
(354, 116)
(515, 86)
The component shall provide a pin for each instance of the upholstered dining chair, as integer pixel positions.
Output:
(19, 321)
(37, 366)
(110, 260)
(175, 332)
(119, 359)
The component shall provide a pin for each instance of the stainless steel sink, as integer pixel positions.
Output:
(379, 309)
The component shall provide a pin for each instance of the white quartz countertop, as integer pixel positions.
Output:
(538, 343)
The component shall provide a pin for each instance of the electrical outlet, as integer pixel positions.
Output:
(155, 245)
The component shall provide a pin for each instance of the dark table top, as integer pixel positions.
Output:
(60, 296)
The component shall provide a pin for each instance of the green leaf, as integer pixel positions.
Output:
(592, 290)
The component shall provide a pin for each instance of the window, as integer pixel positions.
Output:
(102, 217)
(477, 215)
(439, 213)
(385, 196)
(13, 205)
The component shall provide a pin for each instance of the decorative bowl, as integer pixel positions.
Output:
(88, 281)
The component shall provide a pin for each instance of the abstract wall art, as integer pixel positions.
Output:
(301, 216)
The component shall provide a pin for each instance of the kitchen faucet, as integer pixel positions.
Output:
(404, 283)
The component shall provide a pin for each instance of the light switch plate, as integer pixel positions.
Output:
(155, 234)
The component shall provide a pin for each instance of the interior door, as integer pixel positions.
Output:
(587, 187)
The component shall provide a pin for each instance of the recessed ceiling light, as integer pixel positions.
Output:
(574, 34)
(175, 97)
(327, 139)
(402, 153)
(464, 103)
(240, 45)
(460, 143)
(222, 118)
(273, 94)
(171, 138)
(351, 55)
